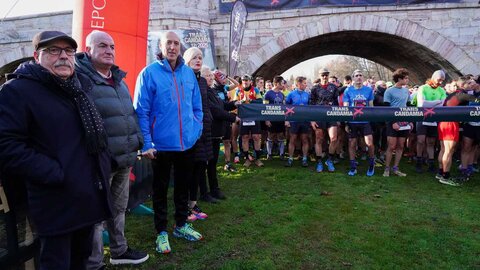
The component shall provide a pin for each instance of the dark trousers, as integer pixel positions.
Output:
(66, 251)
(199, 179)
(182, 163)
(212, 166)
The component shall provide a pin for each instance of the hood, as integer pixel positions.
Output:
(33, 71)
(84, 65)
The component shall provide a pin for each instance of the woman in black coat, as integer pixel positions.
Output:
(220, 114)
(203, 148)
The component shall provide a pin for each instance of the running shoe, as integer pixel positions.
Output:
(304, 162)
(352, 172)
(371, 170)
(386, 173)
(199, 214)
(289, 162)
(162, 244)
(399, 173)
(187, 232)
(319, 167)
(448, 181)
(258, 163)
(191, 217)
(330, 166)
(229, 168)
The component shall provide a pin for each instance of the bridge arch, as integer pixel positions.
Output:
(388, 41)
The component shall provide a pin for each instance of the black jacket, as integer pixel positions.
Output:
(115, 105)
(220, 113)
(203, 147)
(42, 143)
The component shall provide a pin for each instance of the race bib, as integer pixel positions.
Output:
(248, 123)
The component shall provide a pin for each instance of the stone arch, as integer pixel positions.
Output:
(388, 41)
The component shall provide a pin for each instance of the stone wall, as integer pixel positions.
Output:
(447, 33)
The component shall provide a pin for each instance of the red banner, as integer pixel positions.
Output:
(125, 21)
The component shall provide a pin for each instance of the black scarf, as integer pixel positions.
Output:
(91, 119)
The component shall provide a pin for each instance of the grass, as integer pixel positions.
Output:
(294, 218)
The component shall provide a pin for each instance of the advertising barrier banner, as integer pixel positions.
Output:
(265, 112)
(238, 19)
(200, 38)
(269, 5)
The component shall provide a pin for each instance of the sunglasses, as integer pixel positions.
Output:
(358, 75)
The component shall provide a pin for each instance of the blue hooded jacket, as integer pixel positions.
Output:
(169, 106)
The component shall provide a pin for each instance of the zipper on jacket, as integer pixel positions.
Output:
(179, 110)
(153, 125)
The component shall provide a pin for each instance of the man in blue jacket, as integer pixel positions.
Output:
(169, 110)
(52, 138)
(112, 99)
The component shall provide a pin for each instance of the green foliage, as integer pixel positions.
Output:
(294, 218)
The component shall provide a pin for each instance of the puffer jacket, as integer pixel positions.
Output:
(115, 105)
(169, 106)
(43, 143)
(203, 147)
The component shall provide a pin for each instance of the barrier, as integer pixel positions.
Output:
(265, 112)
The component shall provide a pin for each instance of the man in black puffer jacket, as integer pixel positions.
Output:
(111, 96)
(52, 138)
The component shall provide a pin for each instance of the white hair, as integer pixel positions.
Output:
(205, 69)
(191, 53)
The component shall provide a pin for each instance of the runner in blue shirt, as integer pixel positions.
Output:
(359, 95)
(298, 97)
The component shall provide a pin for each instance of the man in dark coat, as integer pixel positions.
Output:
(112, 99)
(52, 138)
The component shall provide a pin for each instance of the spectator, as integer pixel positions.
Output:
(169, 110)
(66, 176)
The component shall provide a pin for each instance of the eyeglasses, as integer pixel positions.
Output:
(57, 50)
(324, 75)
(358, 75)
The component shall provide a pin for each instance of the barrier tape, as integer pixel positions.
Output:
(266, 112)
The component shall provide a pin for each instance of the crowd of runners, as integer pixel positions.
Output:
(432, 147)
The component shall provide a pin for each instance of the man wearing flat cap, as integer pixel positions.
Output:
(52, 138)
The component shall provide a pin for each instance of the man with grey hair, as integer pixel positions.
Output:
(112, 99)
(52, 139)
(169, 109)
(429, 95)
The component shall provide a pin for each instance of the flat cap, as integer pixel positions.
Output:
(43, 38)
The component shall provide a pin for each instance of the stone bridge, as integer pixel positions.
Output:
(420, 37)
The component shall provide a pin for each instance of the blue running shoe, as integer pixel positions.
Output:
(319, 167)
(330, 166)
(352, 172)
(371, 171)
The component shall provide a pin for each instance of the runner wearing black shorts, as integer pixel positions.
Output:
(325, 94)
(276, 130)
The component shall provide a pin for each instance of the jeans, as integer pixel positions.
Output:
(119, 189)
